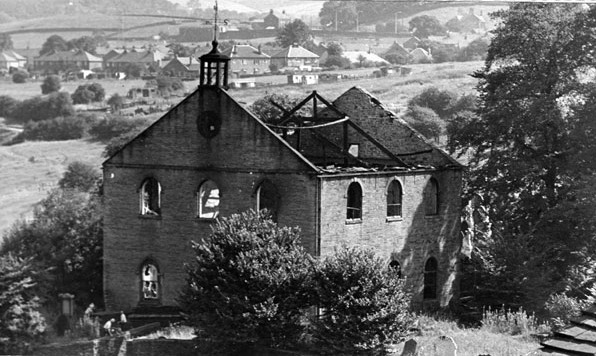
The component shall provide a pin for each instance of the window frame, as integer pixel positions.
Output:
(199, 196)
(143, 299)
(275, 198)
(432, 197)
(399, 203)
(354, 202)
(148, 199)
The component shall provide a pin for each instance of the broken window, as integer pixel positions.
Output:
(268, 198)
(431, 197)
(394, 195)
(208, 200)
(150, 278)
(150, 197)
(430, 279)
(395, 267)
(354, 201)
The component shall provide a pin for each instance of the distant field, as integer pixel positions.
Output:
(31, 169)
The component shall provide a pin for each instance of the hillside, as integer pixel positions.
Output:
(31, 169)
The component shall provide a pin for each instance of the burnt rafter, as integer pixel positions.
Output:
(299, 122)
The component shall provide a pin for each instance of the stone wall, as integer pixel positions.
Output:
(411, 239)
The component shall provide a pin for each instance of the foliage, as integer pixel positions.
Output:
(454, 25)
(246, 285)
(134, 70)
(511, 322)
(50, 84)
(113, 125)
(335, 49)
(116, 101)
(84, 43)
(5, 42)
(86, 327)
(54, 43)
(425, 121)
(562, 308)
(363, 305)
(344, 13)
(425, 26)
(86, 93)
(477, 49)
(180, 50)
(440, 101)
(80, 176)
(168, 84)
(65, 238)
(116, 143)
(295, 32)
(20, 77)
(531, 150)
(20, 320)
(43, 108)
(56, 129)
(7, 105)
(337, 61)
(265, 110)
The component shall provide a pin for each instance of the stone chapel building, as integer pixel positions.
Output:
(352, 174)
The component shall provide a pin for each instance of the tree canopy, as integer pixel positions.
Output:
(295, 32)
(425, 25)
(50, 84)
(531, 145)
(54, 43)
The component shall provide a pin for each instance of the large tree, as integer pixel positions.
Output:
(54, 43)
(531, 146)
(425, 25)
(295, 32)
(5, 41)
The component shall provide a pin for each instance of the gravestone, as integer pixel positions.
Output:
(410, 348)
(445, 346)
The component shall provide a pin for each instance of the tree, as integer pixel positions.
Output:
(180, 50)
(133, 70)
(168, 84)
(7, 106)
(50, 84)
(343, 12)
(246, 285)
(20, 77)
(295, 32)
(80, 176)
(425, 26)
(5, 42)
(85, 43)
(440, 101)
(337, 61)
(477, 49)
(87, 93)
(531, 144)
(454, 25)
(58, 104)
(334, 49)
(21, 321)
(116, 101)
(425, 121)
(53, 43)
(363, 304)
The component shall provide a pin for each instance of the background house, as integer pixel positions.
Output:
(295, 56)
(58, 61)
(247, 60)
(146, 60)
(181, 67)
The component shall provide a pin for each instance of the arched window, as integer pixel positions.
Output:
(208, 200)
(394, 194)
(354, 201)
(150, 197)
(150, 281)
(395, 267)
(268, 198)
(430, 278)
(431, 197)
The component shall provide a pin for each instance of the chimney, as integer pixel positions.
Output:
(259, 49)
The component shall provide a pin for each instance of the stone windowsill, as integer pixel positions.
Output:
(394, 218)
(353, 221)
(149, 217)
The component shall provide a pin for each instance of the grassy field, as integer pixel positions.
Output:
(31, 169)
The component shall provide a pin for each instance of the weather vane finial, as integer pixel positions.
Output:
(215, 8)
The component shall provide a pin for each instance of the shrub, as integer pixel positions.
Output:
(338, 61)
(38, 108)
(363, 304)
(511, 322)
(113, 126)
(7, 105)
(118, 142)
(81, 176)
(167, 84)
(21, 322)
(425, 121)
(57, 129)
(116, 102)
(562, 308)
(246, 285)
(20, 77)
(50, 84)
(88, 93)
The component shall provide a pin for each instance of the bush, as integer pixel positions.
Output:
(20, 77)
(246, 285)
(81, 176)
(57, 129)
(511, 322)
(21, 322)
(168, 84)
(7, 105)
(50, 84)
(363, 305)
(562, 308)
(113, 126)
(39, 108)
(425, 121)
(88, 93)
(338, 61)
(118, 142)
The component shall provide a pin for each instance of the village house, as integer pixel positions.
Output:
(11, 59)
(146, 60)
(397, 54)
(420, 55)
(295, 56)
(58, 61)
(270, 21)
(354, 174)
(412, 43)
(246, 60)
(181, 67)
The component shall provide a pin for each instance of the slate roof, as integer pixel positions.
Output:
(579, 338)
(70, 56)
(5, 57)
(396, 48)
(137, 57)
(244, 51)
(190, 63)
(294, 51)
